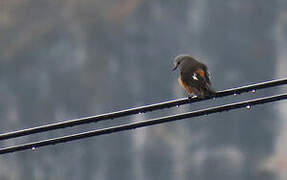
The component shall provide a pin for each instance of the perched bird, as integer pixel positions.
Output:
(194, 77)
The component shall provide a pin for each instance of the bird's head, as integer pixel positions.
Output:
(179, 59)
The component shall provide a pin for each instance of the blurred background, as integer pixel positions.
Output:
(68, 59)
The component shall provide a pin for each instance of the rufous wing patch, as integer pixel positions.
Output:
(201, 73)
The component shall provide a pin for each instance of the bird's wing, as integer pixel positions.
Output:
(196, 79)
(205, 74)
(199, 77)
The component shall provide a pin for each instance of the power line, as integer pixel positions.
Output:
(136, 110)
(247, 104)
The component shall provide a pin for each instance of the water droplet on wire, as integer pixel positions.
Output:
(248, 107)
(253, 91)
(234, 94)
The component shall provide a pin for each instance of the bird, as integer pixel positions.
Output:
(194, 76)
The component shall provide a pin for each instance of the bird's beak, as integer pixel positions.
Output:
(175, 67)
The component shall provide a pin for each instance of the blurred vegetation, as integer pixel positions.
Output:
(67, 59)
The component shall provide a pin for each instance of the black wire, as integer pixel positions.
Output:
(136, 110)
(248, 104)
